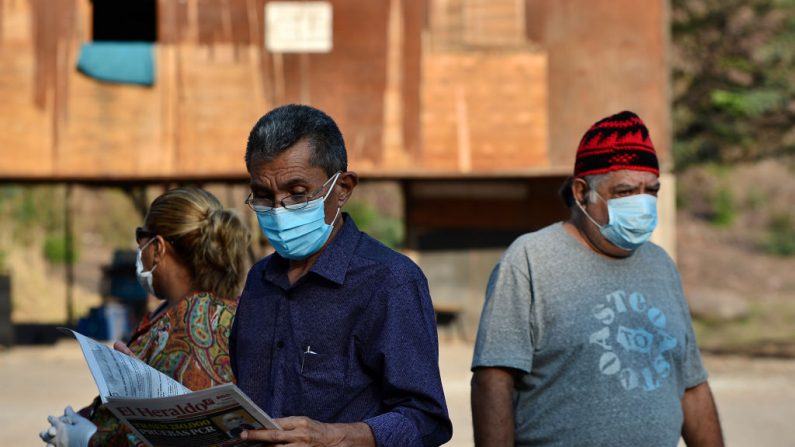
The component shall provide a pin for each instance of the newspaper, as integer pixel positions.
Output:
(161, 411)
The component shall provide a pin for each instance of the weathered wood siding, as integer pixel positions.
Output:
(214, 80)
(419, 87)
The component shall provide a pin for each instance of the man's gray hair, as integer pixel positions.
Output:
(567, 193)
(284, 126)
(593, 183)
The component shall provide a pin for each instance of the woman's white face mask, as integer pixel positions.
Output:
(144, 278)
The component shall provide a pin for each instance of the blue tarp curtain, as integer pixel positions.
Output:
(118, 62)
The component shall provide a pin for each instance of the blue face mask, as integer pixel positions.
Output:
(631, 221)
(298, 234)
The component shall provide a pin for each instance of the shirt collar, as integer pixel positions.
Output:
(332, 263)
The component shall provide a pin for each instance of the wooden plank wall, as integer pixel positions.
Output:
(214, 80)
(33, 88)
(484, 111)
(604, 56)
(57, 123)
(477, 24)
(450, 86)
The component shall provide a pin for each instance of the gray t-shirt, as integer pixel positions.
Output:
(607, 344)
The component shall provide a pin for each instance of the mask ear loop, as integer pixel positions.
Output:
(331, 188)
(582, 208)
(336, 216)
(589, 216)
(142, 251)
(328, 193)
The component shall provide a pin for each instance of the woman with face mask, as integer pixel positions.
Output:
(191, 255)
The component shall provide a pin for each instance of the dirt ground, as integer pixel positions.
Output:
(756, 397)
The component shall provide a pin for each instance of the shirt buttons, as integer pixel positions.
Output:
(280, 344)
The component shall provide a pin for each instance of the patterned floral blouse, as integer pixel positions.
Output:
(189, 342)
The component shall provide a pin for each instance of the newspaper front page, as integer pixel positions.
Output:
(163, 412)
(212, 417)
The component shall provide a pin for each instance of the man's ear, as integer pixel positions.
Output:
(579, 188)
(346, 184)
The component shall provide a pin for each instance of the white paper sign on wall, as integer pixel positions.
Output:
(298, 27)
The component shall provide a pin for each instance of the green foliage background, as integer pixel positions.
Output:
(387, 229)
(31, 213)
(733, 80)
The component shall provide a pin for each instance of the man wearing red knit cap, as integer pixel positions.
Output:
(585, 336)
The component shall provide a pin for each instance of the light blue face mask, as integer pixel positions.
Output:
(298, 234)
(631, 221)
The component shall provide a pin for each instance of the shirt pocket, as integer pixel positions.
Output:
(322, 375)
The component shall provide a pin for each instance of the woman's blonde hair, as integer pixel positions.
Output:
(211, 240)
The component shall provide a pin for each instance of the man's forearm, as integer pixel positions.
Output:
(492, 408)
(701, 427)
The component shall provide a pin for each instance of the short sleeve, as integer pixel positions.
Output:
(505, 336)
(693, 371)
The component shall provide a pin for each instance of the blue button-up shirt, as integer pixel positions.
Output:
(352, 340)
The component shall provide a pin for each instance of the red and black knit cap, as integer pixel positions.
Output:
(617, 142)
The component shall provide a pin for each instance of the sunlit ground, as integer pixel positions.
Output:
(756, 398)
